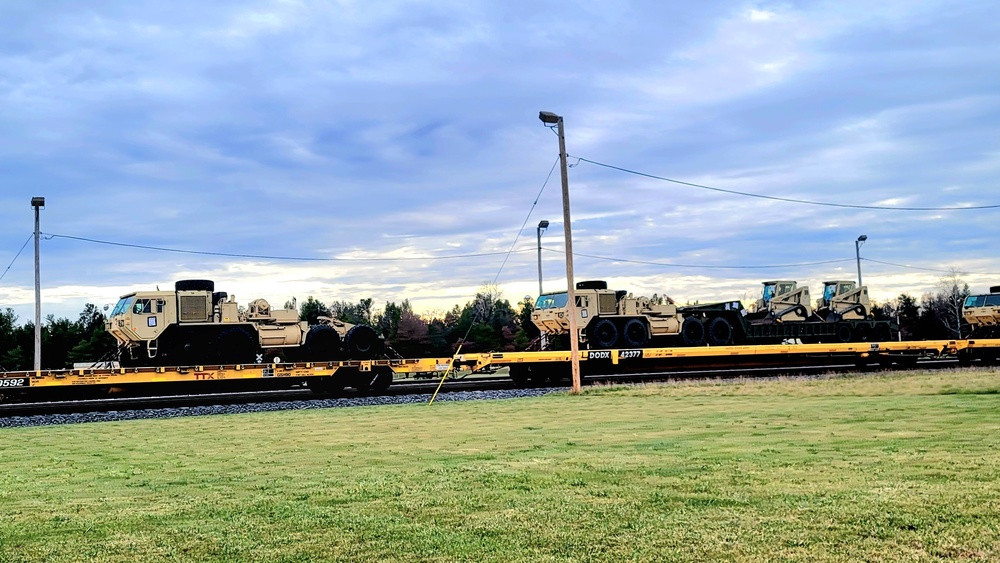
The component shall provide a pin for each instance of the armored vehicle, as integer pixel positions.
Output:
(195, 325)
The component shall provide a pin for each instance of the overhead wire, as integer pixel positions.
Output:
(496, 277)
(287, 258)
(759, 267)
(928, 269)
(506, 254)
(704, 266)
(785, 199)
(16, 256)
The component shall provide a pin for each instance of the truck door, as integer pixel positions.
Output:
(147, 317)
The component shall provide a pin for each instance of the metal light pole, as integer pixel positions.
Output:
(550, 118)
(542, 225)
(38, 203)
(857, 254)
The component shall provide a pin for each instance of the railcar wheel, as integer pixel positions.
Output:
(381, 379)
(326, 385)
(720, 332)
(235, 346)
(361, 381)
(519, 375)
(843, 333)
(602, 334)
(363, 343)
(322, 343)
(693, 332)
(634, 334)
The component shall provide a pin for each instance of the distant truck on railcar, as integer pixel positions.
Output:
(608, 319)
(982, 312)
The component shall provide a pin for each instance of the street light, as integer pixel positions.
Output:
(550, 118)
(38, 203)
(857, 254)
(542, 225)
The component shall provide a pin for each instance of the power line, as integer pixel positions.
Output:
(703, 266)
(289, 258)
(759, 267)
(16, 255)
(785, 199)
(521, 230)
(928, 269)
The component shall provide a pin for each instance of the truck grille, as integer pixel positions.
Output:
(194, 308)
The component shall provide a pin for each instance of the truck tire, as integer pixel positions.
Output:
(362, 343)
(235, 346)
(693, 332)
(634, 334)
(194, 285)
(720, 332)
(881, 332)
(322, 344)
(862, 333)
(602, 334)
(843, 333)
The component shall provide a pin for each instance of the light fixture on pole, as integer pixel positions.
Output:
(38, 203)
(857, 254)
(542, 225)
(551, 119)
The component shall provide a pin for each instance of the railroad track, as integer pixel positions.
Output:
(174, 401)
(303, 397)
(765, 373)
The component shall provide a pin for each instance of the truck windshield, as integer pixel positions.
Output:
(121, 306)
(975, 300)
(993, 300)
(552, 301)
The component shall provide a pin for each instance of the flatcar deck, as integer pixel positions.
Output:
(594, 361)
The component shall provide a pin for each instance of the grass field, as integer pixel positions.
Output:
(875, 468)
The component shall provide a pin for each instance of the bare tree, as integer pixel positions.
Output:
(951, 295)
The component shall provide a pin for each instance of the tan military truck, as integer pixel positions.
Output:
(606, 318)
(194, 324)
(982, 312)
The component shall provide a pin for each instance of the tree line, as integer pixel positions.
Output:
(486, 323)
(64, 342)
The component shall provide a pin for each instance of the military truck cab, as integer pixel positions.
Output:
(982, 312)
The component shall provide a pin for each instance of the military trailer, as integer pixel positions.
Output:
(616, 319)
(195, 325)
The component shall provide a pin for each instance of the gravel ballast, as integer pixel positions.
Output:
(204, 410)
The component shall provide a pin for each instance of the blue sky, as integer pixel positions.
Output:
(408, 131)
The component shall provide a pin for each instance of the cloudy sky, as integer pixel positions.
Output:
(348, 149)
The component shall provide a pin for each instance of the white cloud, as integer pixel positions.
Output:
(408, 129)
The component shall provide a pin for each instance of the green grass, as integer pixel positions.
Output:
(881, 468)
